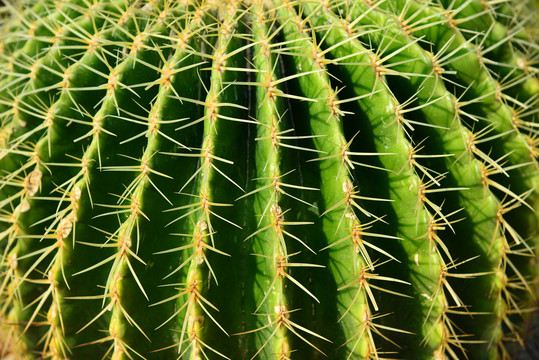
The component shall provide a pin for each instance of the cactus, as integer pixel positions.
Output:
(276, 179)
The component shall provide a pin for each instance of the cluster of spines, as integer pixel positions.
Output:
(273, 239)
(61, 219)
(493, 127)
(443, 122)
(129, 210)
(23, 244)
(51, 99)
(346, 233)
(505, 47)
(218, 118)
(387, 122)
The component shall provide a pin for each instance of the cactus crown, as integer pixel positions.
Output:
(276, 179)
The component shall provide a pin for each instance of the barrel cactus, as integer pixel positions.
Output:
(281, 179)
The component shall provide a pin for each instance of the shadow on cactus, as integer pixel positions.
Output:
(268, 179)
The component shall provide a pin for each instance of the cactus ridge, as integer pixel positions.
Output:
(267, 179)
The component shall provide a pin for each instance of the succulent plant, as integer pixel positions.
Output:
(267, 179)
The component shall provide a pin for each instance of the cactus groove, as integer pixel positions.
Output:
(268, 179)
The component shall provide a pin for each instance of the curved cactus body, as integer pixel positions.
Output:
(267, 179)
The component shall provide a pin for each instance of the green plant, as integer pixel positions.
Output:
(267, 179)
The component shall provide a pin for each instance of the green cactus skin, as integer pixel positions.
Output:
(282, 179)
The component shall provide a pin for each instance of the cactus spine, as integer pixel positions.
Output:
(267, 179)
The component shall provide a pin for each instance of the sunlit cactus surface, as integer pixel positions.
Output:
(284, 179)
